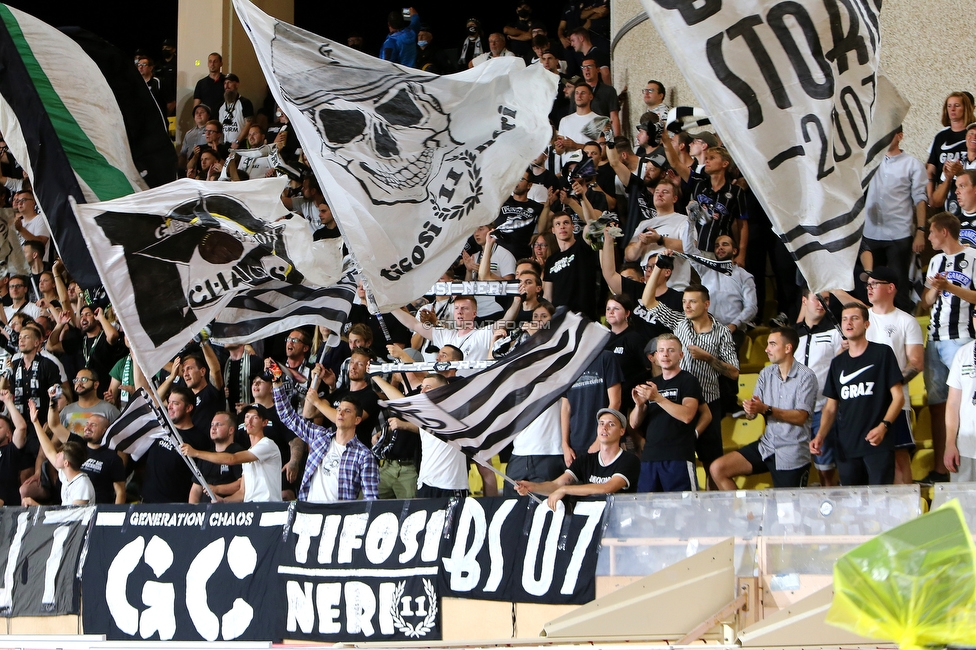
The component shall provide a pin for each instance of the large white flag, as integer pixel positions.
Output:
(410, 162)
(173, 257)
(795, 91)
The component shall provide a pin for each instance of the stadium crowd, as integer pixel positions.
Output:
(654, 231)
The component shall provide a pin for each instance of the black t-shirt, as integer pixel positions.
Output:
(628, 347)
(587, 468)
(167, 478)
(211, 93)
(515, 224)
(370, 403)
(33, 381)
(640, 206)
(641, 315)
(95, 353)
(573, 274)
(209, 401)
(217, 474)
(601, 57)
(947, 145)
(668, 438)
(604, 100)
(728, 203)
(104, 468)
(862, 387)
(10, 466)
(587, 396)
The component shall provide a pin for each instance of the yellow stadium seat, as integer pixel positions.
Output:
(923, 429)
(747, 385)
(745, 350)
(728, 430)
(922, 463)
(757, 356)
(916, 391)
(700, 472)
(747, 431)
(475, 483)
(755, 482)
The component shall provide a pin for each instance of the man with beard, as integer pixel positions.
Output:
(98, 348)
(667, 229)
(74, 416)
(733, 296)
(236, 113)
(196, 377)
(358, 391)
(103, 466)
(168, 478)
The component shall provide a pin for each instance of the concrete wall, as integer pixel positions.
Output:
(212, 26)
(926, 51)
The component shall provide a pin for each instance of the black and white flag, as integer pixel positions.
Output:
(173, 257)
(410, 162)
(280, 307)
(136, 428)
(484, 411)
(795, 91)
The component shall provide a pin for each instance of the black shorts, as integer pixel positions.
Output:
(901, 429)
(782, 478)
(874, 469)
(708, 446)
(430, 492)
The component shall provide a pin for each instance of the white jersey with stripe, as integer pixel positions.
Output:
(952, 317)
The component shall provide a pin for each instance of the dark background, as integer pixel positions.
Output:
(134, 25)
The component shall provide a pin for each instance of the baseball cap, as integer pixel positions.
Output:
(707, 137)
(169, 42)
(615, 413)
(232, 77)
(263, 411)
(204, 107)
(882, 273)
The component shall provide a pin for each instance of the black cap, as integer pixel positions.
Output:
(232, 77)
(169, 42)
(263, 411)
(203, 106)
(881, 273)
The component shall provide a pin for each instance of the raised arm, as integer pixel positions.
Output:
(412, 323)
(19, 437)
(608, 264)
(213, 364)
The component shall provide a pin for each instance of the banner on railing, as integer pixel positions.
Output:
(184, 572)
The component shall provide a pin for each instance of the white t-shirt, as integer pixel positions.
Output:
(324, 487)
(677, 226)
(475, 345)
(816, 351)
(38, 227)
(77, 489)
(572, 127)
(443, 467)
(962, 376)
(262, 478)
(502, 263)
(29, 309)
(896, 330)
(543, 437)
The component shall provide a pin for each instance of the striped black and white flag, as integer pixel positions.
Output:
(281, 307)
(682, 118)
(136, 429)
(484, 411)
(803, 107)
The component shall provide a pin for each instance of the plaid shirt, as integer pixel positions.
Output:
(358, 470)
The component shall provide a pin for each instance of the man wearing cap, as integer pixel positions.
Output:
(236, 113)
(786, 396)
(210, 89)
(666, 407)
(894, 215)
(901, 332)
(606, 471)
(261, 479)
(339, 466)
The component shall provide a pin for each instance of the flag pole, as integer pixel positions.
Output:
(504, 476)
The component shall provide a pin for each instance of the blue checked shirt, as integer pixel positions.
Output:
(358, 470)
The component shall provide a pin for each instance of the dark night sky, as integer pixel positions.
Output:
(131, 25)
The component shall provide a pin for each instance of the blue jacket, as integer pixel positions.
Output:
(401, 47)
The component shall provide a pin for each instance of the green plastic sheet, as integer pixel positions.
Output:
(914, 585)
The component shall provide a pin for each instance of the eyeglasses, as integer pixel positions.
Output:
(540, 244)
(294, 340)
(210, 131)
(648, 91)
(874, 285)
(142, 65)
(16, 201)
(17, 286)
(82, 380)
